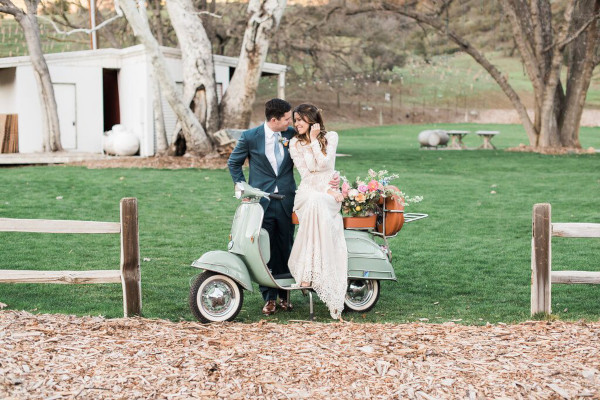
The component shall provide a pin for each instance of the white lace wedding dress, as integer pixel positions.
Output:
(319, 254)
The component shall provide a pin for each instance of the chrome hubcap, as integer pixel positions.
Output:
(216, 298)
(359, 292)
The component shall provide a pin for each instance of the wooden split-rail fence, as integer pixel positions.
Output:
(542, 276)
(128, 275)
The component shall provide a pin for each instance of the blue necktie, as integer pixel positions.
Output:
(278, 152)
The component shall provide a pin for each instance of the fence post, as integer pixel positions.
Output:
(130, 258)
(541, 259)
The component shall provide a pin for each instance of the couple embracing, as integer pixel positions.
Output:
(318, 257)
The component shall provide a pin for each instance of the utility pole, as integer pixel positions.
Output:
(93, 38)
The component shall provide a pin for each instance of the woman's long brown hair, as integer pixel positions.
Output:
(312, 115)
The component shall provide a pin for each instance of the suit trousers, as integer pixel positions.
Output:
(281, 236)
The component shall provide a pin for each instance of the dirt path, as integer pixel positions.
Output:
(58, 356)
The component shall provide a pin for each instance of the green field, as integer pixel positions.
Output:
(469, 261)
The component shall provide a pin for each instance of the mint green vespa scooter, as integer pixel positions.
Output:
(217, 293)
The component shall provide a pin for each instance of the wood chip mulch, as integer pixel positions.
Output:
(61, 356)
(552, 151)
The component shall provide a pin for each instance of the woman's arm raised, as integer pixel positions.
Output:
(325, 160)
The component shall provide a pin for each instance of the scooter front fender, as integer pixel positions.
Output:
(227, 264)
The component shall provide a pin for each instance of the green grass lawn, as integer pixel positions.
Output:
(469, 261)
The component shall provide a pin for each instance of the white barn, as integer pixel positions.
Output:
(96, 89)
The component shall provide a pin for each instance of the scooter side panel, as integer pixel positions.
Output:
(246, 225)
(365, 257)
(227, 264)
(369, 268)
(251, 242)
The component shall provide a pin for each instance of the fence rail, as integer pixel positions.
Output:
(542, 276)
(57, 226)
(129, 273)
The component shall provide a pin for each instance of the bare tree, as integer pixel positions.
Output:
(199, 85)
(263, 21)
(28, 21)
(196, 139)
(543, 45)
(197, 110)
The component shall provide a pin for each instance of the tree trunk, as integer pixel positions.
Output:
(157, 21)
(197, 142)
(236, 105)
(581, 63)
(550, 108)
(199, 86)
(162, 145)
(160, 132)
(51, 132)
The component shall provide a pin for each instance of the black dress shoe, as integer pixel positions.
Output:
(284, 305)
(270, 307)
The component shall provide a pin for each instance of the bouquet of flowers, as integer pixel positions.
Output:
(362, 196)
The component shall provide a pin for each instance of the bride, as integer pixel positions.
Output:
(319, 256)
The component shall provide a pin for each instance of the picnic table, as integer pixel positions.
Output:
(457, 136)
(487, 139)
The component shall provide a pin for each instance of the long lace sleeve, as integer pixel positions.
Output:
(322, 161)
(299, 159)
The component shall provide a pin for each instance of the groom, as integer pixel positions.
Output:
(271, 170)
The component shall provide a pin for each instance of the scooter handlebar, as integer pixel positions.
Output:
(276, 196)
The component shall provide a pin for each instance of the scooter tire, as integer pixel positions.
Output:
(361, 295)
(215, 297)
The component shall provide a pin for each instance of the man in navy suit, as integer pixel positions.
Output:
(271, 170)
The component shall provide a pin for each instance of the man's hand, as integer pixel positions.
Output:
(244, 199)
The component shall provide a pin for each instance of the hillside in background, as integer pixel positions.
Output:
(363, 69)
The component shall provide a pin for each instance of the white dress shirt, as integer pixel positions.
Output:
(270, 143)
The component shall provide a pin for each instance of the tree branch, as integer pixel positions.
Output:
(210, 14)
(7, 7)
(523, 43)
(469, 49)
(561, 45)
(79, 30)
(444, 7)
(32, 6)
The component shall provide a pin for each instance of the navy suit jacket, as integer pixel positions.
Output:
(251, 146)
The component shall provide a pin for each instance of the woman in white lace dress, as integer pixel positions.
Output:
(319, 256)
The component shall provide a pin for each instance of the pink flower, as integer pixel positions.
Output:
(363, 188)
(373, 185)
(345, 187)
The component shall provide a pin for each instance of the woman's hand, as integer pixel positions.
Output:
(314, 131)
(336, 195)
(334, 183)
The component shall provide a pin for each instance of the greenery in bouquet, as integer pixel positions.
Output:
(362, 196)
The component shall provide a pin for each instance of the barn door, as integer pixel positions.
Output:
(67, 116)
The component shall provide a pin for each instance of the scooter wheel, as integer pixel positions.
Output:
(361, 295)
(215, 298)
